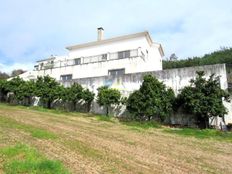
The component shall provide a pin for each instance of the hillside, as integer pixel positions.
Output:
(84, 143)
(217, 57)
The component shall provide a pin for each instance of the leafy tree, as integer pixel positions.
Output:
(107, 97)
(88, 97)
(25, 91)
(74, 94)
(47, 89)
(153, 99)
(203, 98)
(173, 57)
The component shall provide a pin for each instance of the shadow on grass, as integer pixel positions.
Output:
(201, 134)
(24, 159)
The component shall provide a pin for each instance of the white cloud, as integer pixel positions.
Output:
(31, 30)
(9, 68)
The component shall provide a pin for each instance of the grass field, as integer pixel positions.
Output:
(35, 140)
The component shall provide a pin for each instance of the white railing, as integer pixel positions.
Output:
(90, 59)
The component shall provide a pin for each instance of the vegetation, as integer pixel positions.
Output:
(107, 97)
(21, 92)
(24, 159)
(47, 89)
(152, 101)
(222, 56)
(203, 98)
(202, 134)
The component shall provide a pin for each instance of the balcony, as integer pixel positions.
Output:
(94, 59)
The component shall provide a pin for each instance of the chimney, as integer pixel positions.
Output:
(100, 32)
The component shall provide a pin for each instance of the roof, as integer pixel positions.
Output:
(89, 44)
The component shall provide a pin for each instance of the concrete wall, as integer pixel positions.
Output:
(174, 78)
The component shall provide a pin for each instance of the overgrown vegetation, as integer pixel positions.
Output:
(24, 159)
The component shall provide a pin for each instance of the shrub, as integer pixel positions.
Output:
(107, 97)
(152, 100)
(203, 98)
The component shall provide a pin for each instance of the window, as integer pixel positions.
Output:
(41, 65)
(77, 61)
(116, 72)
(104, 57)
(123, 54)
(66, 77)
(36, 67)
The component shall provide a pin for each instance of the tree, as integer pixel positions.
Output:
(25, 91)
(17, 72)
(204, 99)
(74, 94)
(153, 99)
(4, 75)
(173, 57)
(47, 89)
(107, 97)
(88, 97)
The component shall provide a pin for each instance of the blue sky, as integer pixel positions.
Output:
(34, 29)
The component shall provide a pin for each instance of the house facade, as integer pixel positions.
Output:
(127, 54)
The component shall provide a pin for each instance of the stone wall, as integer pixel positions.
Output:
(174, 78)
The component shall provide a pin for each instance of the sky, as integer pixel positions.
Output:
(31, 30)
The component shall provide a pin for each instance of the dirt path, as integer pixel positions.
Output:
(86, 145)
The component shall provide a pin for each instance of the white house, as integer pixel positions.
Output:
(119, 55)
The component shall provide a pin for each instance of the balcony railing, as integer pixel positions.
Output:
(93, 59)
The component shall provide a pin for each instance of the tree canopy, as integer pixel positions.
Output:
(107, 97)
(152, 100)
(203, 98)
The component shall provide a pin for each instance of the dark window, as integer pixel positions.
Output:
(104, 57)
(123, 54)
(77, 61)
(66, 77)
(36, 67)
(41, 65)
(115, 72)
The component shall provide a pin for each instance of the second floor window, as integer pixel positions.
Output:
(77, 61)
(116, 72)
(124, 54)
(66, 77)
(104, 57)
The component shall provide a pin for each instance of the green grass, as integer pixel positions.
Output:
(202, 134)
(105, 118)
(34, 131)
(24, 159)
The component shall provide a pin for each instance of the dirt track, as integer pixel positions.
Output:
(86, 145)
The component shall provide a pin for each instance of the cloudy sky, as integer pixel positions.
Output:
(34, 29)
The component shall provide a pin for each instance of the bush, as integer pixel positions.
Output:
(152, 100)
(107, 97)
(203, 98)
